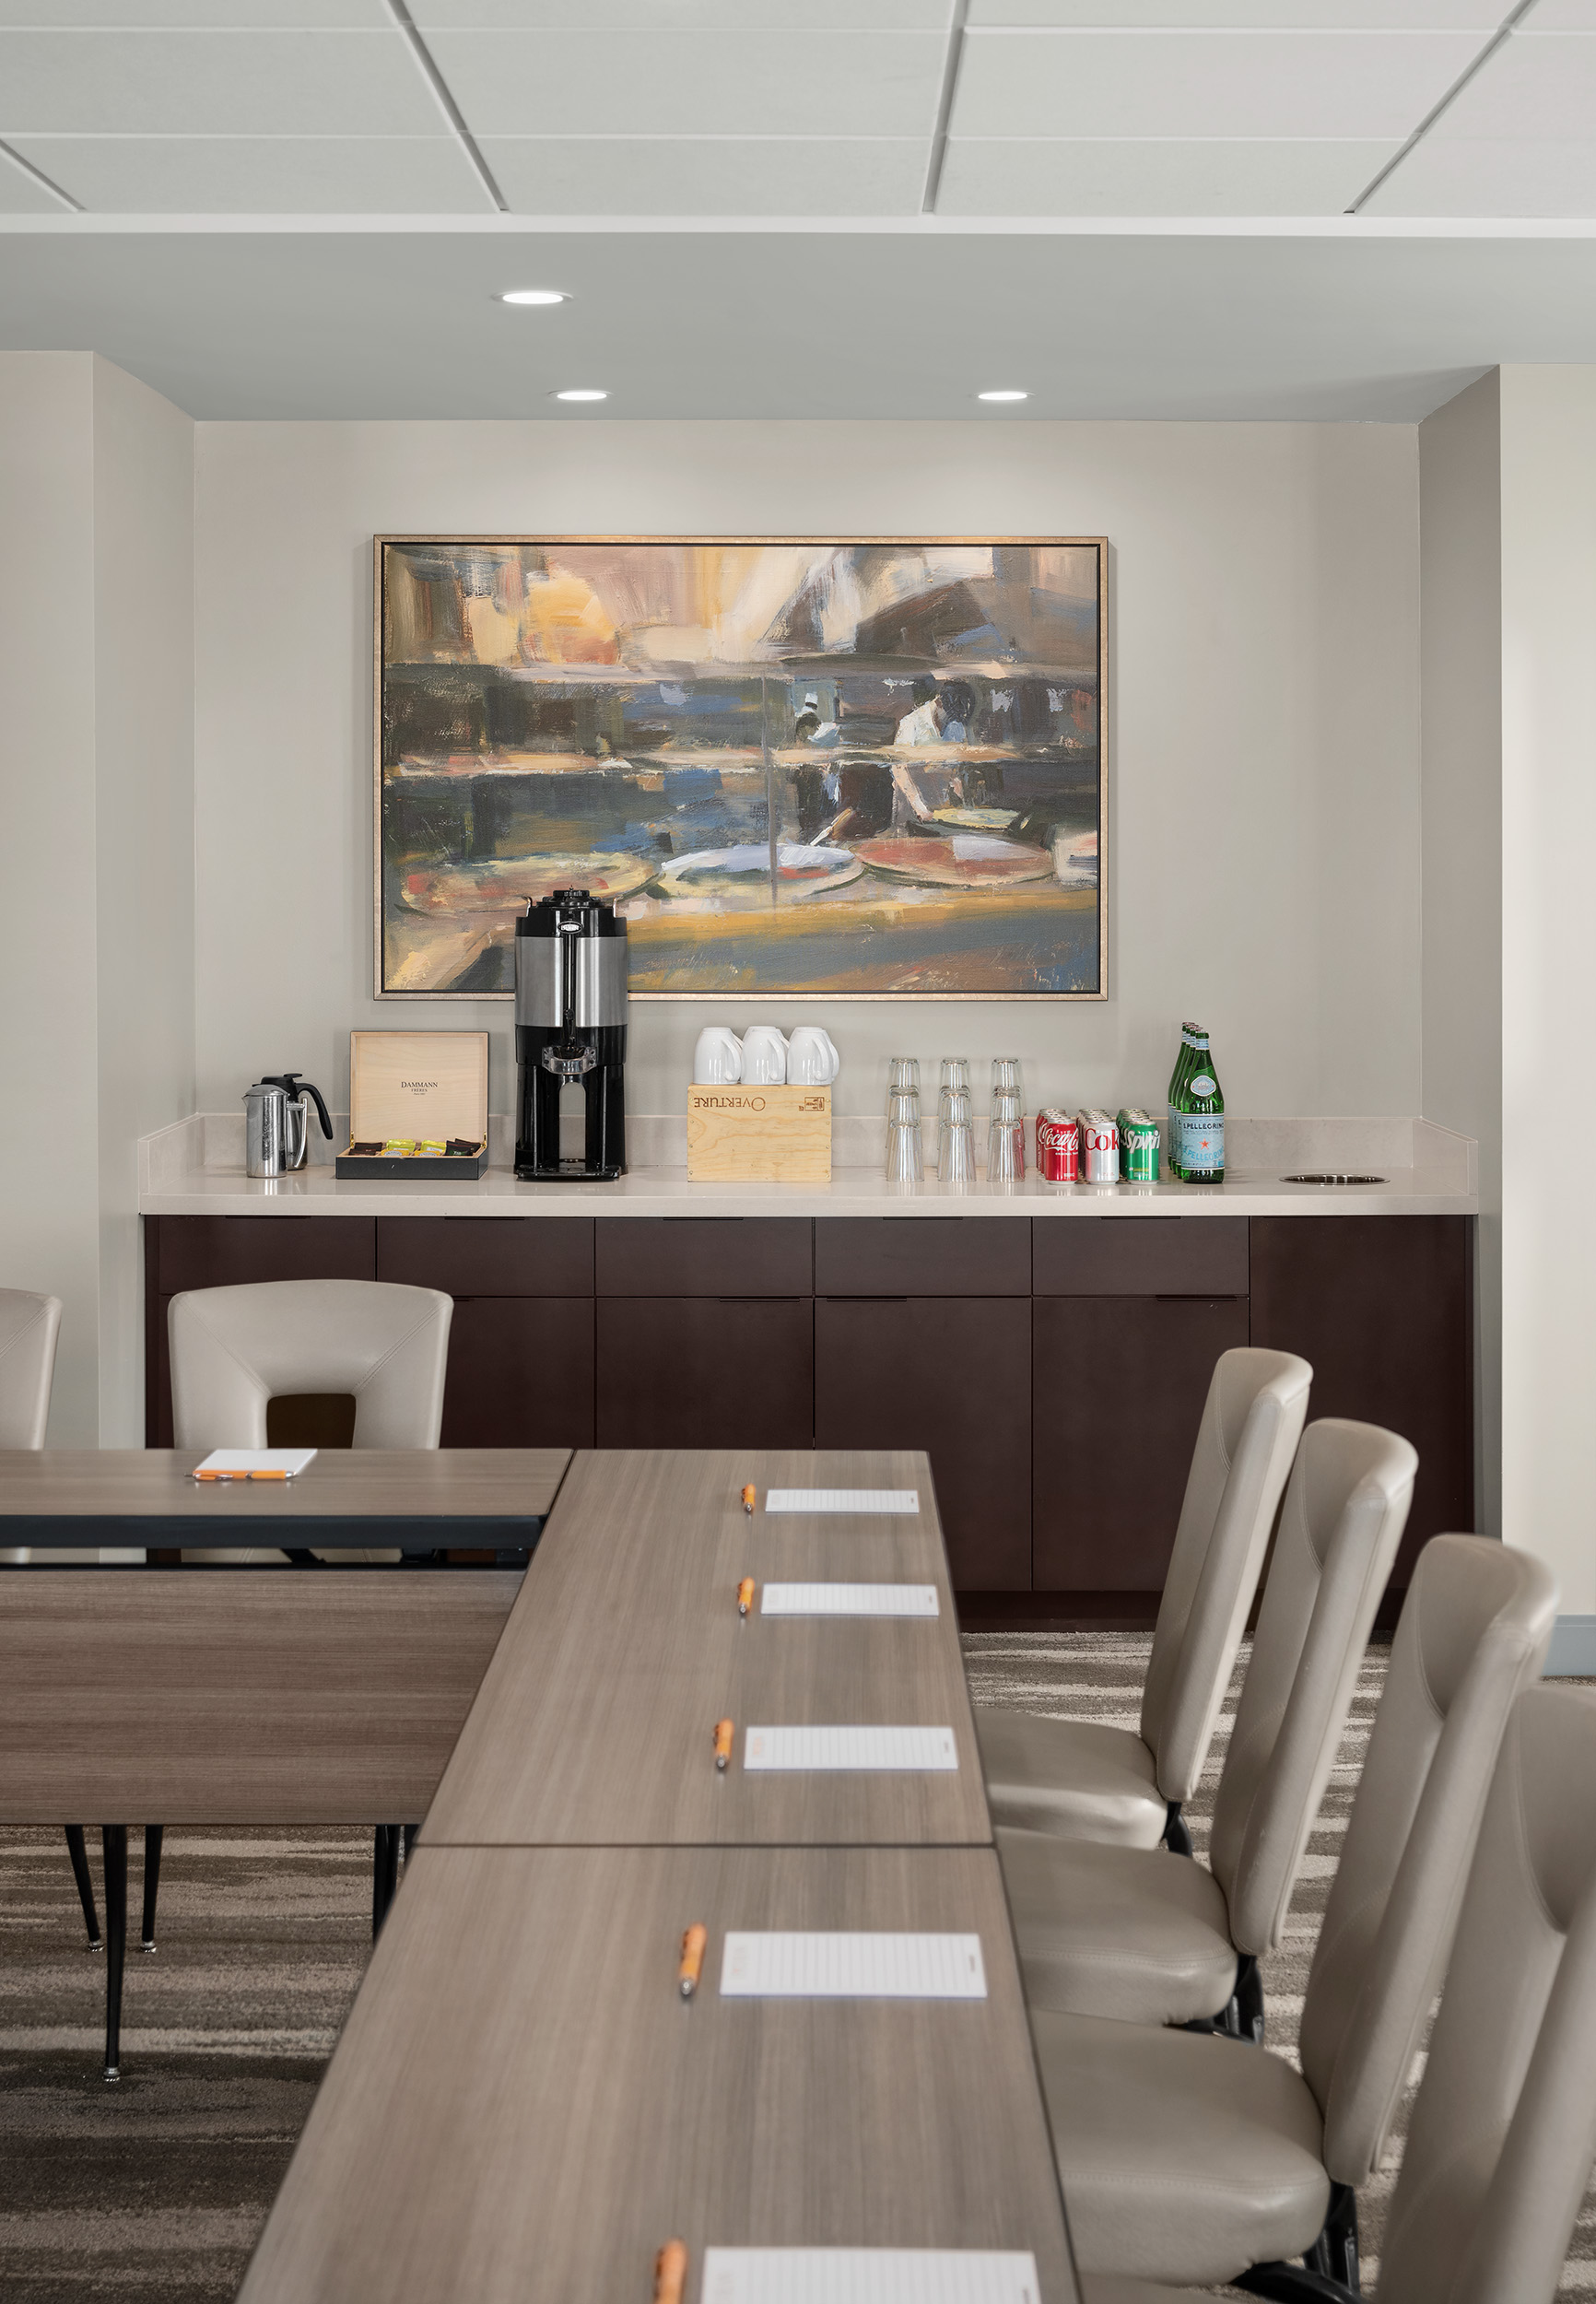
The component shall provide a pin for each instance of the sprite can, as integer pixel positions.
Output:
(1138, 1147)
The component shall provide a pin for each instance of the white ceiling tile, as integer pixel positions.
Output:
(1295, 176)
(263, 175)
(217, 83)
(1561, 15)
(1530, 87)
(692, 83)
(709, 176)
(231, 15)
(1481, 177)
(1365, 85)
(727, 16)
(1267, 16)
(19, 195)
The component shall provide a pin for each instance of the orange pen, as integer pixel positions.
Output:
(722, 1743)
(744, 1595)
(693, 1943)
(671, 2273)
(750, 1496)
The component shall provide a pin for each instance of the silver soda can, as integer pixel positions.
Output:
(1099, 1148)
(1138, 1147)
(1058, 1145)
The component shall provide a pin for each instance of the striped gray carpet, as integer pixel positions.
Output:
(158, 2187)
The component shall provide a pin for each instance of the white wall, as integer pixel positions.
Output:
(96, 775)
(1548, 449)
(144, 835)
(49, 1152)
(1460, 588)
(1266, 814)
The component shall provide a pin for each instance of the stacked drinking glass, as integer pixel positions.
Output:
(956, 1124)
(905, 1155)
(1005, 1151)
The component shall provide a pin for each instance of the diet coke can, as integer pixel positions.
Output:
(1099, 1148)
(1058, 1147)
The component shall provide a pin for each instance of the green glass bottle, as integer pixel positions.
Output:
(1200, 1119)
(1177, 1083)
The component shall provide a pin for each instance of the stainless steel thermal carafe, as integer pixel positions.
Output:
(266, 1129)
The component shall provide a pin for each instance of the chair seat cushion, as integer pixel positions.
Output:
(1134, 1932)
(1074, 1778)
(1183, 2157)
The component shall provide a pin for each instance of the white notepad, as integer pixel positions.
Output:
(849, 1600)
(775, 1963)
(243, 1464)
(869, 2275)
(841, 1501)
(883, 1748)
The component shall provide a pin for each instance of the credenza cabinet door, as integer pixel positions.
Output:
(704, 1372)
(1384, 1309)
(521, 1372)
(953, 1375)
(1118, 1393)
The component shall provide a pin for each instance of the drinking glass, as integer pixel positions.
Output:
(903, 1076)
(905, 1154)
(954, 1076)
(1005, 1076)
(1005, 1152)
(956, 1153)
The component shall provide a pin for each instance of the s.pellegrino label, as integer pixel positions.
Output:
(1198, 1152)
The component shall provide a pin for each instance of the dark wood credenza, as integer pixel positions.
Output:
(1055, 1368)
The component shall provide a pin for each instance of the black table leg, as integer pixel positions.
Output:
(384, 1874)
(152, 1840)
(113, 1839)
(80, 1855)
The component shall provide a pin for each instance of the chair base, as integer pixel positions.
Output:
(1328, 2274)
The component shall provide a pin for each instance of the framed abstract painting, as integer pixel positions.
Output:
(839, 768)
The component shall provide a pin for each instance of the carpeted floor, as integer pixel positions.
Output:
(158, 2187)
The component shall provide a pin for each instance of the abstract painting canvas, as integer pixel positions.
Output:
(821, 769)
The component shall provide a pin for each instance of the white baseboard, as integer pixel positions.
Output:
(1572, 1655)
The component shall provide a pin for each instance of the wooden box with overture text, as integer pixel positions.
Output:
(749, 1134)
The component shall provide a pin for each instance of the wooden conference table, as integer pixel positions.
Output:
(523, 2104)
(410, 1500)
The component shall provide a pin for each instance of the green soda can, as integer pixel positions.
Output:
(1138, 1147)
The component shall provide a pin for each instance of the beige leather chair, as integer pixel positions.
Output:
(234, 1349)
(1085, 1780)
(1504, 2130)
(28, 1328)
(1191, 2158)
(1121, 1931)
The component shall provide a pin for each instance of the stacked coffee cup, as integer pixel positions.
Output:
(765, 1057)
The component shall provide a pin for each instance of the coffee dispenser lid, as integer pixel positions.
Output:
(569, 910)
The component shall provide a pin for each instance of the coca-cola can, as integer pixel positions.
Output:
(1058, 1147)
(1099, 1148)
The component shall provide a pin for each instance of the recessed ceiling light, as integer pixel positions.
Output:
(580, 393)
(532, 296)
(1002, 395)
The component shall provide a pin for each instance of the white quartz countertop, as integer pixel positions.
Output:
(195, 1169)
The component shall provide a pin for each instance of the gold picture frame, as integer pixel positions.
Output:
(818, 768)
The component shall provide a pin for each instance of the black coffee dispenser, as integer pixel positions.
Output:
(570, 1024)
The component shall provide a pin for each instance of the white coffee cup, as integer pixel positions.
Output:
(764, 1056)
(812, 1058)
(717, 1057)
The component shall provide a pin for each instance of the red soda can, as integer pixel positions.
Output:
(1058, 1147)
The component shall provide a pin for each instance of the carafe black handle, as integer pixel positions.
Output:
(292, 1084)
(316, 1098)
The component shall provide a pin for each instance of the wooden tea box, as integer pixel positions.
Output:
(417, 1087)
(746, 1135)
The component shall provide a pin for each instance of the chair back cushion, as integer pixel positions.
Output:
(28, 1327)
(1252, 1423)
(234, 1349)
(1345, 1508)
(1503, 2130)
(1473, 1632)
